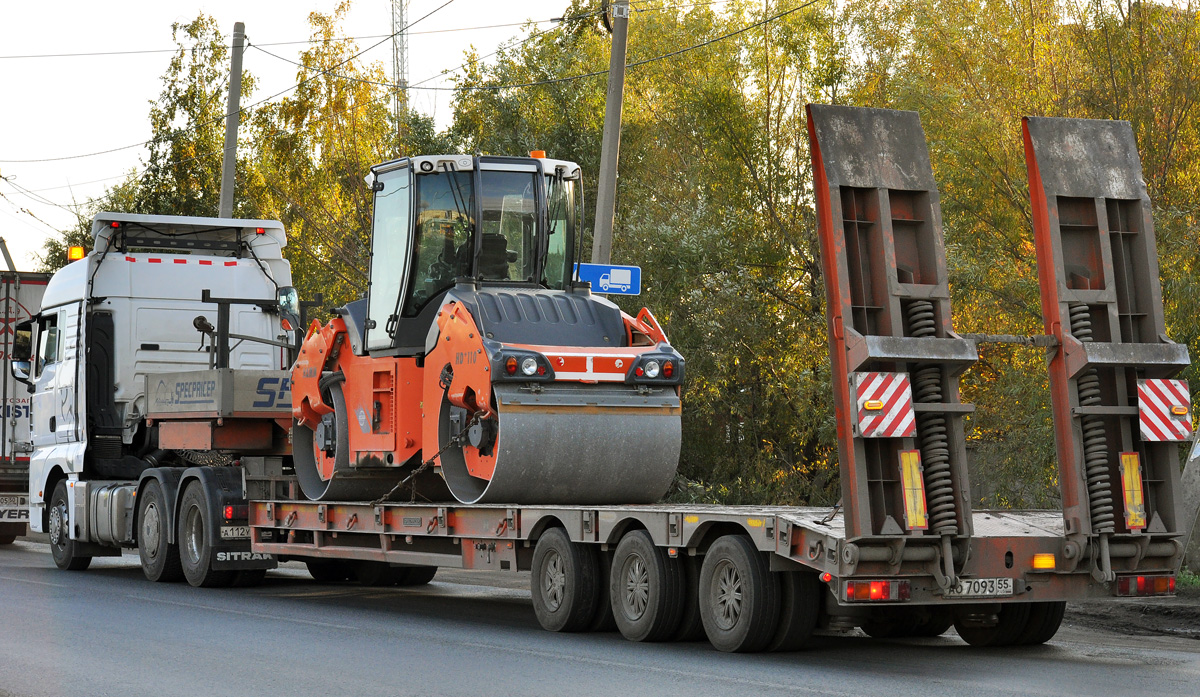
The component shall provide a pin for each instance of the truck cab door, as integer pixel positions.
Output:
(69, 377)
(47, 366)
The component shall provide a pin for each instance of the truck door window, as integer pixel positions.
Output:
(509, 226)
(48, 342)
(444, 241)
(390, 245)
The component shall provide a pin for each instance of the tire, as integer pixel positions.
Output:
(646, 589)
(417, 575)
(1013, 618)
(324, 571)
(691, 624)
(1044, 620)
(939, 621)
(377, 574)
(195, 541)
(895, 623)
(7, 539)
(62, 547)
(799, 609)
(564, 582)
(739, 596)
(159, 557)
(603, 620)
(248, 578)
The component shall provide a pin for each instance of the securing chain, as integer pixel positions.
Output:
(453, 442)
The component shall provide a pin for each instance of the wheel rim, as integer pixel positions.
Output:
(554, 581)
(636, 595)
(150, 530)
(194, 534)
(728, 595)
(58, 524)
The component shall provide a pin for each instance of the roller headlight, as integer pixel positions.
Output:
(529, 366)
(651, 368)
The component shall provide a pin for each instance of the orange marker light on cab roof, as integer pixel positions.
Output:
(74, 253)
(539, 154)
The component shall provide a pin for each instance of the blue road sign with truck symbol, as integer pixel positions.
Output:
(614, 280)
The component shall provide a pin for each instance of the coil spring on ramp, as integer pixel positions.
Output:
(931, 427)
(1095, 441)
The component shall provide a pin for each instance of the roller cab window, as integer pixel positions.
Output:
(444, 235)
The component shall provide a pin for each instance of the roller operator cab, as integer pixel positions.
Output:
(139, 308)
(477, 357)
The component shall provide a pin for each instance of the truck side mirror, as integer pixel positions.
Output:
(20, 359)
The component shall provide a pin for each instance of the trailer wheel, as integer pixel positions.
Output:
(159, 557)
(324, 571)
(691, 623)
(799, 608)
(7, 539)
(62, 547)
(646, 587)
(603, 620)
(377, 573)
(563, 582)
(739, 596)
(1013, 618)
(1044, 621)
(893, 623)
(417, 575)
(195, 543)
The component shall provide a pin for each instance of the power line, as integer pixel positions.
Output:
(92, 54)
(224, 116)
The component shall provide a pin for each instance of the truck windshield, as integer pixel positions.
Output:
(444, 235)
(509, 229)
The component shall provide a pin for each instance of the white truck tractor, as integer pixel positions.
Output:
(156, 315)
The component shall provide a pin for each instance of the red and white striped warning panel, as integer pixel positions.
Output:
(1165, 408)
(885, 405)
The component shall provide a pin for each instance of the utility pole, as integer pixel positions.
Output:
(606, 187)
(400, 66)
(232, 117)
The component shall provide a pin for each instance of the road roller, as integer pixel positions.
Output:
(478, 368)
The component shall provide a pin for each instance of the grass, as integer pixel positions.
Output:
(1187, 580)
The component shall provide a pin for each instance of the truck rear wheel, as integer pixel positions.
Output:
(563, 582)
(646, 587)
(62, 547)
(1044, 621)
(1011, 623)
(159, 557)
(7, 539)
(799, 608)
(195, 541)
(739, 596)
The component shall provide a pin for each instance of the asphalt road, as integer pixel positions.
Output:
(108, 631)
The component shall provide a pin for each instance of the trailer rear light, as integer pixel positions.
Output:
(826, 577)
(876, 591)
(1133, 586)
(1179, 411)
(873, 405)
(1044, 562)
(236, 512)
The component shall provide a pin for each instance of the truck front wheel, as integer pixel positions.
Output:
(62, 547)
(160, 558)
(195, 541)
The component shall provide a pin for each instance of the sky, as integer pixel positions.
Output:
(60, 107)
